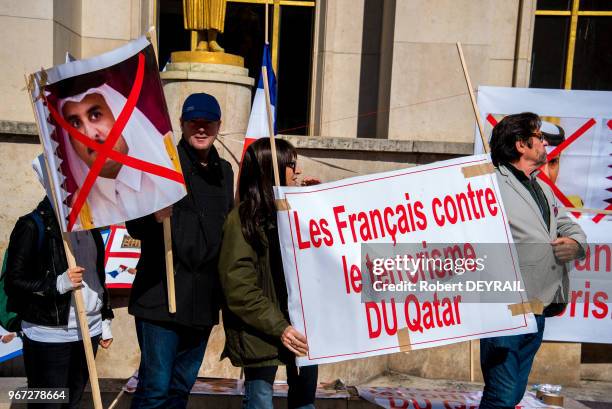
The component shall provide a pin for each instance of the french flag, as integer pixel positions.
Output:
(258, 120)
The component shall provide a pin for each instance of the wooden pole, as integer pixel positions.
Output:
(116, 401)
(485, 145)
(152, 37)
(472, 370)
(266, 24)
(169, 265)
(76, 293)
(587, 210)
(468, 81)
(264, 73)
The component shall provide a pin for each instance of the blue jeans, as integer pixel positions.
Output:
(258, 387)
(506, 363)
(170, 357)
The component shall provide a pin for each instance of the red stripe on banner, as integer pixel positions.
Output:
(600, 216)
(119, 285)
(127, 160)
(566, 202)
(557, 151)
(108, 145)
(105, 150)
(123, 254)
(610, 124)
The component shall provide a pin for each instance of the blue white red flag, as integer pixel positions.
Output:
(258, 120)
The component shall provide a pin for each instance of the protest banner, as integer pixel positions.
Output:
(323, 230)
(414, 398)
(121, 256)
(108, 137)
(587, 316)
(579, 175)
(108, 150)
(11, 345)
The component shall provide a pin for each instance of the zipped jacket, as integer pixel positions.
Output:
(254, 312)
(31, 275)
(197, 222)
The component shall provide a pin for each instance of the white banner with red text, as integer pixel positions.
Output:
(324, 230)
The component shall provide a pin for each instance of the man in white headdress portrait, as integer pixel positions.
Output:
(120, 192)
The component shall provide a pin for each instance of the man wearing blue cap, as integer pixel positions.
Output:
(172, 345)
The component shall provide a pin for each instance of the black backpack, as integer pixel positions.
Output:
(9, 320)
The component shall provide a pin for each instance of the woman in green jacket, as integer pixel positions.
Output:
(258, 334)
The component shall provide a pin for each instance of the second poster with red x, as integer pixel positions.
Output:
(108, 138)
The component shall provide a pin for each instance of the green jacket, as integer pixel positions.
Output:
(252, 317)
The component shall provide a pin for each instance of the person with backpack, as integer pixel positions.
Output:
(39, 287)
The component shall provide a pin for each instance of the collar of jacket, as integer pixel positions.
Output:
(511, 179)
(507, 168)
(214, 160)
(48, 215)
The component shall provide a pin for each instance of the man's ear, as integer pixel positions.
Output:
(521, 146)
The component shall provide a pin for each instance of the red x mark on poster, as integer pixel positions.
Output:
(556, 152)
(105, 150)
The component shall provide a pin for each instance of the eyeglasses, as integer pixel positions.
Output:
(538, 135)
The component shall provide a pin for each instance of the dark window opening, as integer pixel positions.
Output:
(593, 55)
(171, 32)
(244, 34)
(294, 69)
(549, 52)
(595, 5)
(564, 5)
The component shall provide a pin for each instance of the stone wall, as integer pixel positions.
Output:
(395, 63)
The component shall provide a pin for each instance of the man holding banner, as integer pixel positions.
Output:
(172, 345)
(546, 239)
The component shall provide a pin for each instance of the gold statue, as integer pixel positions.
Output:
(206, 18)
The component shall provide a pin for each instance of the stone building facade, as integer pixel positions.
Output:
(386, 91)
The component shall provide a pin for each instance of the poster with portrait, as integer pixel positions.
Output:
(107, 136)
(579, 172)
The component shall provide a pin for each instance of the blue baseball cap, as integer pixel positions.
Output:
(201, 106)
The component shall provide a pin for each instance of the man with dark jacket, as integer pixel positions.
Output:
(172, 345)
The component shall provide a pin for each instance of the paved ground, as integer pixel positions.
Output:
(596, 395)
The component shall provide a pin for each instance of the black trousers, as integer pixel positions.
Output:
(302, 386)
(57, 365)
